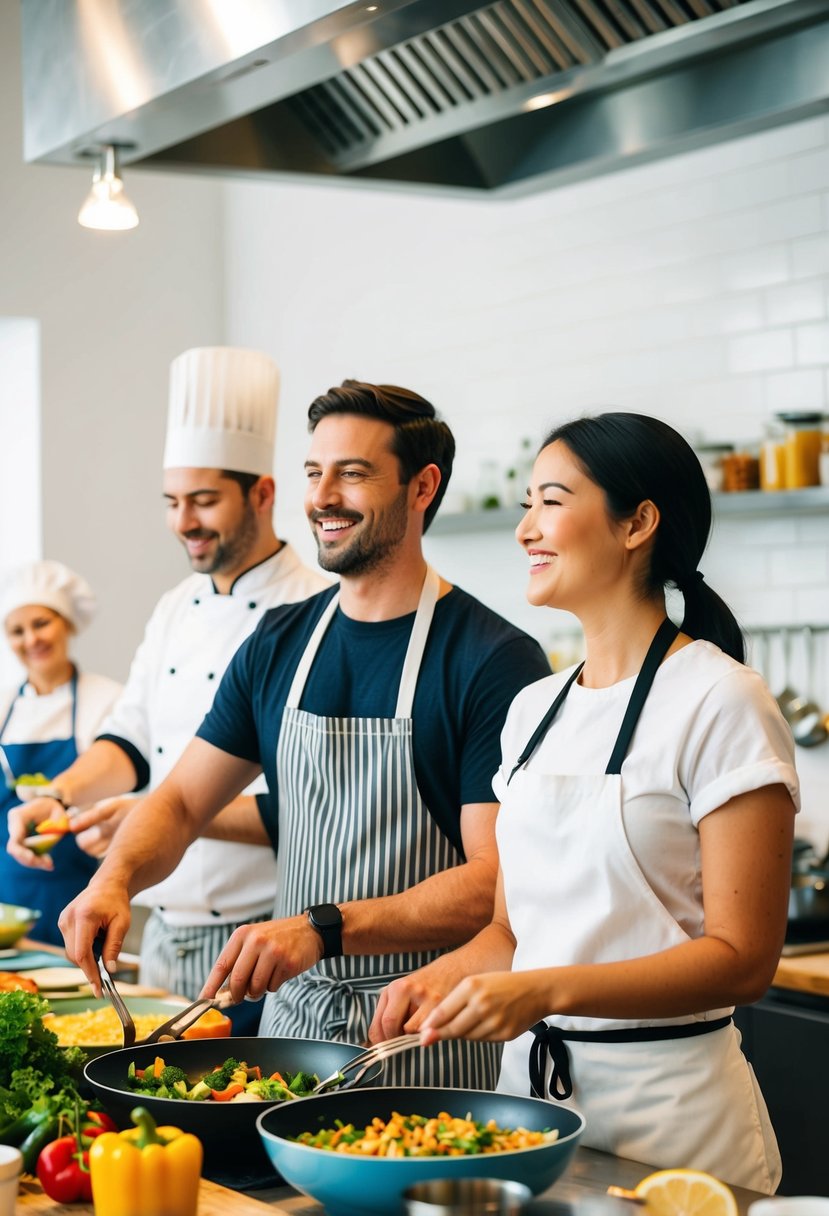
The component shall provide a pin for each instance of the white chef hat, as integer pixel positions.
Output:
(222, 410)
(54, 586)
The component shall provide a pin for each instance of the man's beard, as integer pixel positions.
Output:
(373, 547)
(232, 551)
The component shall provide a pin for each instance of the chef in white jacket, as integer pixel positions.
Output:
(219, 492)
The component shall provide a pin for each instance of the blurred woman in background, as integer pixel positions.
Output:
(44, 722)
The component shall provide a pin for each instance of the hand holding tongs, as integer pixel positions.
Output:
(359, 1065)
(174, 1027)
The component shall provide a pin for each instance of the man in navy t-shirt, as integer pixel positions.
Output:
(374, 710)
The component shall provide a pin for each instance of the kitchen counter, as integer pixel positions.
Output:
(804, 973)
(581, 1191)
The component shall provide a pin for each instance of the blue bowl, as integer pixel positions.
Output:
(373, 1186)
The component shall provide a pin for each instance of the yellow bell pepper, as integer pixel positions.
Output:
(146, 1171)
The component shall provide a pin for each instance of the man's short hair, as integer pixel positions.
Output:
(420, 436)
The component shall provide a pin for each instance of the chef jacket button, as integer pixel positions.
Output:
(211, 675)
(252, 604)
(159, 750)
(172, 671)
(197, 601)
(213, 912)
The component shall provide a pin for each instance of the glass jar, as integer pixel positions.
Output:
(711, 456)
(773, 458)
(802, 448)
(741, 471)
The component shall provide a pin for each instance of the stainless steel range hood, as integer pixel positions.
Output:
(444, 94)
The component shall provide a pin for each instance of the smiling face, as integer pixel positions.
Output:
(212, 517)
(39, 638)
(357, 508)
(576, 552)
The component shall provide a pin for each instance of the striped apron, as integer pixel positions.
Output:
(352, 825)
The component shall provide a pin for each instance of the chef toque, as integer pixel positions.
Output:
(222, 411)
(52, 585)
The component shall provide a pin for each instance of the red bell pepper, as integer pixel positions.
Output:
(63, 1170)
(94, 1122)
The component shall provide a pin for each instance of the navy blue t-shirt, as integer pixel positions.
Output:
(473, 665)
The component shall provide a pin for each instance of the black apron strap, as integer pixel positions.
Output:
(659, 647)
(550, 1041)
(544, 725)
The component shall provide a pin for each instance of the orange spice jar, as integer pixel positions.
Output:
(801, 457)
(741, 471)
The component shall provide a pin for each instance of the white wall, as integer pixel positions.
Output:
(695, 288)
(112, 309)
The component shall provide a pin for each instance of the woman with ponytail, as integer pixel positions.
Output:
(647, 806)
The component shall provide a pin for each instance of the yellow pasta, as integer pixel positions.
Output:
(417, 1136)
(99, 1027)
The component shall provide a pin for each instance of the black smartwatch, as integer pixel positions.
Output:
(327, 919)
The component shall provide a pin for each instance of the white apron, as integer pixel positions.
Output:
(352, 825)
(667, 1092)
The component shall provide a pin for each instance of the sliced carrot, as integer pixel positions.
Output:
(139, 1072)
(158, 1066)
(277, 1076)
(255, 1073)
(224, 1095)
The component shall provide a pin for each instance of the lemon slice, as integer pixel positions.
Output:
(42, 843)
(685, 1193)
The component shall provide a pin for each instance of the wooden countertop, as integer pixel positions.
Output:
(581, 1191)
(804, 973)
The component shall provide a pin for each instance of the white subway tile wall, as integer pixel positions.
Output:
(695, 288)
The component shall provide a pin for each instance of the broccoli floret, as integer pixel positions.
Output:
(171, 1073)
(220, 1079)
(302, 1083)
(271, 1091)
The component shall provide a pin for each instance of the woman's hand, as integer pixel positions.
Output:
(492, 1007)
(22, 821)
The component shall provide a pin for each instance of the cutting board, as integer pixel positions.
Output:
(804, 973)
(213, 1201)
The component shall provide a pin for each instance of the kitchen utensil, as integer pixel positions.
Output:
(348, 1185)
(467, 1197)
(175, 1026)
(232, 1149)
(360, 1065)
(789, 694)
(15, 922)
(804, 714)
(809, 899)
(111, 992)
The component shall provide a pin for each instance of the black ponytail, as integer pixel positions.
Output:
(631, 458)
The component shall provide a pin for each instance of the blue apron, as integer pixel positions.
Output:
(47, 890)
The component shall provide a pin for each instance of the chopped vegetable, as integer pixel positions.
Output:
(417, 1136)
(147, 1169)
(233, 1081)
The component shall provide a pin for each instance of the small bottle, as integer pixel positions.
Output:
(773, 458)
(803, 444)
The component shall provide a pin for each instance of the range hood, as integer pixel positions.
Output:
(503, 97)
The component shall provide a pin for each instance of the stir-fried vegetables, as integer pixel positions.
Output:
(232, 1081)
(416, 1136)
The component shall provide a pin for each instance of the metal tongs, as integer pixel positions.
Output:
(359, 1065)
(174, 1027)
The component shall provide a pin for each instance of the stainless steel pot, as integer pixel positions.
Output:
(809, 898)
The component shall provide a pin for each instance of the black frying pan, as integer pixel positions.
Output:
(233, 1149)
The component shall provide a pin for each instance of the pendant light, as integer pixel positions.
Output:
(107, 206)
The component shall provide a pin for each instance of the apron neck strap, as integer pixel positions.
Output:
(414, 652)
(659, 647)
(74, 692)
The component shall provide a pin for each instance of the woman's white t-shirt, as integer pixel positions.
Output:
(38, 719)
(709, 730)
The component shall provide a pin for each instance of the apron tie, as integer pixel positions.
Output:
(550, 1041)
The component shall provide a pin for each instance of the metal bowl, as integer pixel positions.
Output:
(15, 922)
(809, 898)
(233, 1150)
(349, 1185)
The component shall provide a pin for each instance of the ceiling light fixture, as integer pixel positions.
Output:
(107, 206)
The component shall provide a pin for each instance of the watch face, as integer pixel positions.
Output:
(326, 916)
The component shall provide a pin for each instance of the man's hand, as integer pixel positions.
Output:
(95, 827)
(102, 907)
(259, 958)
(22, 821)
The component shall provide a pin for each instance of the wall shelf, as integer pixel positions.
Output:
(746, 503)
